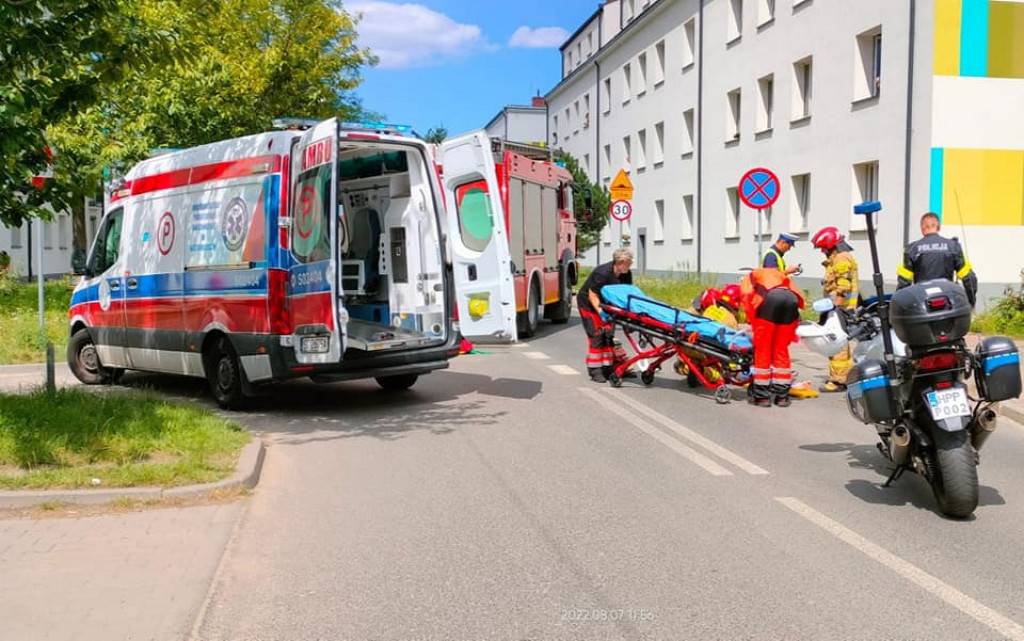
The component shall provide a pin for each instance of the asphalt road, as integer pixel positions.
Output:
(510, 498)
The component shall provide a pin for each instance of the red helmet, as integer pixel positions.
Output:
(730, 296)
(709, 298)
(827, 238)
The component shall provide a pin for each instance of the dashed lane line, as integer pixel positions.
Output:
(690, 435)
(709, 466)
(969, 606)
(537, 356)
(564, 370)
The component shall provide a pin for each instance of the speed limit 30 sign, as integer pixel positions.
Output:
(621, 210)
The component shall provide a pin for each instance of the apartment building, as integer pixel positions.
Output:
(915, 103)
(521, 123)
(54, 238)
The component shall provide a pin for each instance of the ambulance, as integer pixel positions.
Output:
(320, 250)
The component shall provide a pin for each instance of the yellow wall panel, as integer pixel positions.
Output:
(947, 38)
(983, 187)
(1005, 40)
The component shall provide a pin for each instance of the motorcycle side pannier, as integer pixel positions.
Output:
(868, 392)
(997, 369)
(930, 313)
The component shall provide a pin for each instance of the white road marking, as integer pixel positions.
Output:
(520, 344)
(693, 437)
(564, 370)
(977, 611)
(537, 356)
(693, 456)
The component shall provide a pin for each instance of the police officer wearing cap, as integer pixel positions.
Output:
(935, 256)
(773, 258)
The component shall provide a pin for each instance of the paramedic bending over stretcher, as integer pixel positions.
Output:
(600, 346)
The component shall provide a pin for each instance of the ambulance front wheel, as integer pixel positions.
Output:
(224, 374)
(397, 383)
(84, 360)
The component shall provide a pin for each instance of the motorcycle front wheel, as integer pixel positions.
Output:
(955, 474)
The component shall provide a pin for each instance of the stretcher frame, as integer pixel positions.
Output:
(654, 342)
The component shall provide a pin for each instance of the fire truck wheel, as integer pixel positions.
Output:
(559, 312)
(224, 374)
(84, 361)
(529, 319)
(397, 383)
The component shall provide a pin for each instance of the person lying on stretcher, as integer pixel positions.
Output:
(717, 305)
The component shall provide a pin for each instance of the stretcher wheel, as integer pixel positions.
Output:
(692, 380)
(647, 377)
(723, 395)
(615, 380)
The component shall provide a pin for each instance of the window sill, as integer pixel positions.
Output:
(800, 3)
(686, 155)
(658, 164)
(734, 142)
(735, 40)
(688, 66)
(866, 101)
(735, 238)
(606, 112)
(659, 241)
(763, 134)
(801, 121)
(686, 239)
(764, 25)
(659, 83)
(625, 102)
(640, 94)
(641, 169)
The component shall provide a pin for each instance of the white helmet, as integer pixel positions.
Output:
(828, 339)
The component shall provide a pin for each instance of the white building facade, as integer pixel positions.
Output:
(520, 123)
(688, 95)
(54, 238)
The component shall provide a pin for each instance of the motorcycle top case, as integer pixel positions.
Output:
(997, 369)
(868, 392)
(930, 313)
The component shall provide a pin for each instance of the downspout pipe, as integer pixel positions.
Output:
(910, 124)
(597, 130)
(700, 130)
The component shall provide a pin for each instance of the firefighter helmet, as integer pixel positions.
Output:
(709, 298)
(730, 296)
(827, 238)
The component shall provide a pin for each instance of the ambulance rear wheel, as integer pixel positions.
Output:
(397, 383)
(224, 374)
(84, 360)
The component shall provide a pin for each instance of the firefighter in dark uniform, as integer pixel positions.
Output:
(600, 335)
(936, 256)
(773, 258)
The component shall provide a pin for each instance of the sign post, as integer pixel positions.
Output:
(759, 189)
(39, 182)
(622, 193)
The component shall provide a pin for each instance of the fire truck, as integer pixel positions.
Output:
(318, 250)
(521, 213)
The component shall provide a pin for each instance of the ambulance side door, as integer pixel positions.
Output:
(484, 287)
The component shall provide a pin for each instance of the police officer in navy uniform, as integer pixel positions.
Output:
(936, 256)
(773, 258)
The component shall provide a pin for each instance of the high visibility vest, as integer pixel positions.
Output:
(756, 285)
(778, 256)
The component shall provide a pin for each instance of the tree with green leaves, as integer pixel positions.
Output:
(436, 135)
(589, 220)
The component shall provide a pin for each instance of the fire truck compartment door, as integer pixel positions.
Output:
(318, 316)
(484, 288)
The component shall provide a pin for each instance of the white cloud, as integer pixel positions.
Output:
(540, 38)
(411, 35)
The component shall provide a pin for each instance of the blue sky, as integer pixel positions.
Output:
(458, 62)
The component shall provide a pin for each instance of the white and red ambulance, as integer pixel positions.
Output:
(322, 252)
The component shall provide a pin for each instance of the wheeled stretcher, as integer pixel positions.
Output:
(715, 355)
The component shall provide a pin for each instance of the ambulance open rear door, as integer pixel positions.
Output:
(484, 287)
(318, 316)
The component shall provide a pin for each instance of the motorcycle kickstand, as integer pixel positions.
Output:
(896, 474)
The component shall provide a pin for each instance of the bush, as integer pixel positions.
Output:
(1007, 316)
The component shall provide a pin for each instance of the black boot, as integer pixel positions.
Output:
(597, 375)
(780, 394)
(760, 395)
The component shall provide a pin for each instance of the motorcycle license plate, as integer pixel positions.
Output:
(948, 403)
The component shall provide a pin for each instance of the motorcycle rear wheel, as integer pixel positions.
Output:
(955, 482)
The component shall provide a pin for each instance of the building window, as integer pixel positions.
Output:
(586, 164)
(641, 76)
(16, 237)
(659, 221)
(734, 24)
(568, 63)
(687, 132)
(765, 106)
(732, 209)
(627, 87)
(576, 121)
(590, 43)
(803, 73)
(659, 63)
(765, 12)
(687, 218)
(800, 209)
(630, 10)
(732, 116)
(865, 189)
(606, 97)
(625, 153)
(579, 53)
(606, 174)
(567, 124)
(48, 235)
(659, 144)
(641, 149)
(63, 224)
(689, 42)
(867, 72)
(586, 111)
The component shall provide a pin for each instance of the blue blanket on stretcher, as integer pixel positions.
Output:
(632, 299)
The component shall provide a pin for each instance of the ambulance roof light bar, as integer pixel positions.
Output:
(378, 127)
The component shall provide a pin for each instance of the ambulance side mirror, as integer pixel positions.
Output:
(78, 265)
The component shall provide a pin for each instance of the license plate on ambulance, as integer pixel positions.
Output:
(315, 344)
(948, 403)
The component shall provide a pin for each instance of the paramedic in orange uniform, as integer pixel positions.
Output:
(772, 304)
(600, 341)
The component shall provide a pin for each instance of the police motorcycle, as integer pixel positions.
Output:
(914, 390)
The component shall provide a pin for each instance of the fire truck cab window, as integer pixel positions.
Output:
(476, 220)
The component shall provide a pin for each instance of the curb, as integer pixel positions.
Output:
(1012, 413)
(247, 475)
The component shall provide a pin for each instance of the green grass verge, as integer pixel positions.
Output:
(1000, 323)
(20, 340)
(67, 439)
